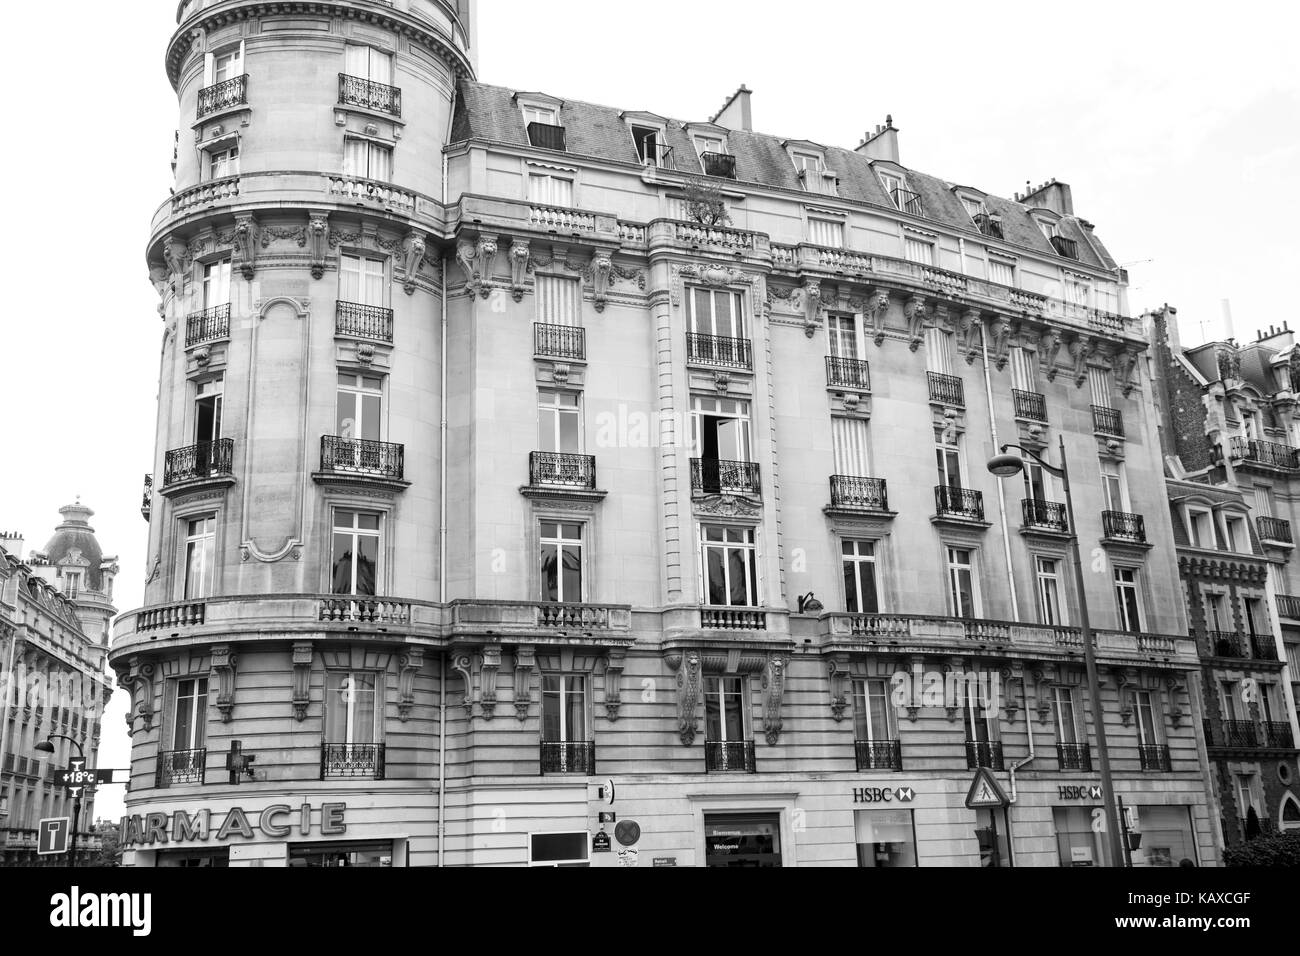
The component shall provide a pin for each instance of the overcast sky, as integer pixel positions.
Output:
(1177, 125)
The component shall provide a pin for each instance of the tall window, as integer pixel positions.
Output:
(200, 557)
(1257, 625)
(216, 284)
(1216, 615)
(851, 437)
(72, 583)
(974, 207)
(189, 724)
(559, 300)
(355, 559)
(208, 400)
(225, 64)
(1038, 483)
(361, 280)
(223, 162)
(367, 160)
(1246, 796)
(730, 562)
(1126, 596)
(647, 144)
(1051, 609)
(938, 351)
(1114, 486)
(718, 312)
(368, 63)
(564, 709)
(918, 251)
(872, 713)
(1078, 292)
(360, 401)
(961, 583)
(1099, 384)
(981, 723)
(860, 595)
(351, 707)
(548, 190)
(843, 331)
(561, 562)
(947, 456)
(559, 418)
(1067, 726)
(720, 429)
(891, 183)
(1200, 524)
(1147, 724)
(1235, 536)
(1249, 426)
(824, 232)
(1022, 370)
(1228, 691)
(1002, 271)
(724, 709)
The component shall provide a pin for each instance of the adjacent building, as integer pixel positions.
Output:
(1229, 429)
(521, 459)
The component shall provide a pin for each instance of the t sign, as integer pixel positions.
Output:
(53, 836)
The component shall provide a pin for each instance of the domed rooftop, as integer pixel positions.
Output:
(74, 538)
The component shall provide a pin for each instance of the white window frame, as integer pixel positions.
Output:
(372, 170)
(747, 547)
(862, 696)
(227, 152)
(359, 390)
(953, 568)
(535, 113)
(863, 552)
(552, 409)
(1010, 264)
(912, 243)
(638, 138)
(739, 315)
(216, 283)
(1147, 699)
(346, 694)
(943, 448)
(551, 188)
(235, 53)
(1121, 479)
(201, 585)
(563, 545)
(197, 706)
(1064, 696)
(832, 229)
(356, 533)
(364, 270)
(710, 143)
(840, 325)
(385, 75)
(1121, 608)
(709, 406)
(1055, 582)
(565, 692)
(1201, 520)
(716, 688)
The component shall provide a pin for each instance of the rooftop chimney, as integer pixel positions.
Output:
(12, 542)
(1051, 195)
(735, 113)
(882, 144)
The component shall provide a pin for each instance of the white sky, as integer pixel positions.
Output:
(1177, 125)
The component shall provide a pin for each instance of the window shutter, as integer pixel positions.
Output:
(850, 437)
(938, 351)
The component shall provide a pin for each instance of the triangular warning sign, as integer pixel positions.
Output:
(985, 792)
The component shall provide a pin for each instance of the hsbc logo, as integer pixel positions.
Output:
(1093, 792)
(883, 795)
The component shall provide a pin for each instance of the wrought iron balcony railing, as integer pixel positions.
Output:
(879, 754)
(380, 97)
(959, 503)
(908, 201)
(372, 459)
(554, 470)
(364, 322)
(1074, 756)
(980, 753)
(569, 757)
(719, 350)
(1263, 647)
(729, 756)
(989, 225)
(1266, 453)
(1288, 606)
(859, 494)
(222, 96)
(1046, 515)
(1274, 529)
(1277, 734)
(210, 325)
(1155, 757)
(848, 373)
(733, 619)
(1227, 644)
(1065, 247)
(351, 761)
(1240, 733)
(1030, 406)
(560, 341)
(146, 500)
(547, 136)
(180, 767)
(713, 477)
(1108, 421)
(1120, 526)
(946, 389)
(209, 459)
(719, 164)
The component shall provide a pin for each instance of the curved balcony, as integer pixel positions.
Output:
(349, 459)
(223, 96)
(210, 325)
(201, 464)
(369, 95)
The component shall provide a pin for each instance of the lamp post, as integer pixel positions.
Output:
(1008, 466)
(46, 747)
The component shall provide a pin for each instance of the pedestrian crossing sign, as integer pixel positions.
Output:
(985, 792)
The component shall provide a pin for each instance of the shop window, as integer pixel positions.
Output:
(742, 840)
(336, 855)
(558, 849)
(885, 838)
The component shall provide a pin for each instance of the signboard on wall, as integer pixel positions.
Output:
(985, 794)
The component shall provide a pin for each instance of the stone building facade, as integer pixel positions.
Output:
(524, 459)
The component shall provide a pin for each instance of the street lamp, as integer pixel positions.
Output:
(46, 747)
(1008, 466)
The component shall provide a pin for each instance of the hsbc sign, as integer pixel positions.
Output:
(883, 794)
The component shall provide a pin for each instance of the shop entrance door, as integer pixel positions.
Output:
(742, 839)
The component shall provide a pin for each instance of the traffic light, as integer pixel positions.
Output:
(238, 763)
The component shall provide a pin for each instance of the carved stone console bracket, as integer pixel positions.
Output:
(223, 675)
(409, 665)
(773, 694)
(614, 682)
(915, 313)
(463, 664)
(303, 653)
(688, 666)
(245, 238)
(525, 665)
(837, 669)
(413, 249)
(318, 242)
(489, 669)
(520, 252)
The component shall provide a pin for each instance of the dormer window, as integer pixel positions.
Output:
(547, 116)
(649, 145)
(811, 168)
(541, 115)
(710, 144)
(987, 223)
(1049, 229)
(974, 207)
(902, 197)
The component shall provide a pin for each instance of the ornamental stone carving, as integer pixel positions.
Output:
(915, 312)
(1051, 350)
(688, 693)
(728, 506)
(223, 676)
(245, 241)
(302, 660)
(614, 682)
(467, 259)
(601, 267)
(838, 681)
(413, 249)
(520, 251)
(812, 304)
(485, 262)
(488, 680)
(773, 694)
(525, 664)
(878, 308)
(463, 665)
(968, 333)
(318, 242)
(1000, 330)
(409, 665)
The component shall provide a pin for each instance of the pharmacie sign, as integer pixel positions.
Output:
(276, 822)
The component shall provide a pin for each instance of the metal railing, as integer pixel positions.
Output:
(989, 225)
(1074, 756)
(180, 767)
(862, 494)
(1030, 405)
(1065, 247)
(849, 373)
(1121, 526)
(719, 350)
(560, 341)
(146, 499)
(364, 321)
(1108, 421)
(374, 459)
(1240, 733)
(1227, 644)
(1277, 734)
(713, 476)
(222, 96)
(1274, 529)
(1047, 515)
(987, 754)
(729, 756)
(210, 325)
(568, 757)
(733, 619)
(1155, 757)
(547, 136)
(946, 389)
(959, 503)
(348, 761)
(551, 469)
(1266, 453)
(879, 754)
(908, 201)
(209, 459)
(719, 164)
(380, 97)
(1263, 647)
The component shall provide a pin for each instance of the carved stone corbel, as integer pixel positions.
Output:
(223, 675)
(614, 682)
(1001, 329)
(1051, 349)
(812, 304)
(488, 681)
(878, 308)
(773, 694)
(525, 664)
(177, 255)
(968, 331)
(915, 313)
(463, 665)
(413, 249)
(485, 262)
(1080, 349)
(520, 252)
(318, 242)
(245, 240)
(1125, 690)
(1125, 365)
(952, 707)
(1014, 673)
(601, 267)
(839, 683)
(409, 665)
(688, 693)
(1174, 686)
(303, 654)
(467, 259)
(1042, 694)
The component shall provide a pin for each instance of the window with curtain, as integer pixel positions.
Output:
(564, 709)
(223, 162)
(718, 312)
(850, 437)
(1002, 271)
(351, 707)
(918, 251)
(1067, 724)
(843, 332)
(825, 232)
(938, 351)
(216, 284)
(558, 300)
(1126, 596)
(872, 711)
(724, 709)
(1022, 370)
(366, 160)
(548, 190)
(367, 63)
(1147, 724)
(189, 715)
(361, 280)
